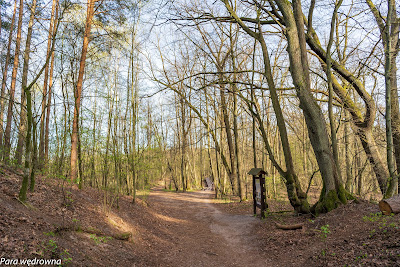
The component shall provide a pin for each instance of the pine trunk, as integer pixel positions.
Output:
(78, 91)
(7, 135)
(5, 71)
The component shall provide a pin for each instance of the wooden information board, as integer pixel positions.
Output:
(259, 194)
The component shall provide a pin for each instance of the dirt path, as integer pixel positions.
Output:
(204, 235)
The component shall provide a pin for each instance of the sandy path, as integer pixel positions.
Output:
(203, 235)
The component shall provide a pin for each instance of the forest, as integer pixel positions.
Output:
(121, 96)
(96, 93)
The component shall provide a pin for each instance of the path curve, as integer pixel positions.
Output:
(203, 235)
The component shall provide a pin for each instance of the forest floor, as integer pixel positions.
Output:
(90, 228)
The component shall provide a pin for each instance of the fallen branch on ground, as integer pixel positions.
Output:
(289, 227)
(119, 236)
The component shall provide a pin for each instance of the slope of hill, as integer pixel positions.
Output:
(90, 228)
(77, 226)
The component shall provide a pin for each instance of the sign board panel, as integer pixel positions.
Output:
(258, 191)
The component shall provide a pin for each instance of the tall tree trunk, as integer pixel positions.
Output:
(328, 71)
(22, 122)
(214, 171)
(395, 120)
(105, 166)
(333, 192)
(27, 167)
(297, 197)
(229, 139)
(50, 92)
(390, 38)
(4, 80)
(388, 99)
(110, 105)
(65, 128)
(237, 152)
(78, 91)
(183, 146)
(134, 116)
(30, 139)
(349, 177)
(240, 185)
(93, 179)
(390, 41)
(7, 136)
(46, 94)
(80, 171)
(32, 180)
(362, 119)
(253, 119)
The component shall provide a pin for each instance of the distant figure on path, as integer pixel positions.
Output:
(208, 184)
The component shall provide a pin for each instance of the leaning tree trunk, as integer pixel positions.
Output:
(371, 150)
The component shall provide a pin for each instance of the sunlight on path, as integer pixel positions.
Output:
(236, 229)
(228, 239)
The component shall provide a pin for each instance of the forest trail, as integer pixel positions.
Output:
(184, 229)
(205, 235)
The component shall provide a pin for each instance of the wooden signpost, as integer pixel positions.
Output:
(259, 195)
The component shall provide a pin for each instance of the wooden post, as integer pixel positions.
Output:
(262, 187)
(254, 196)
